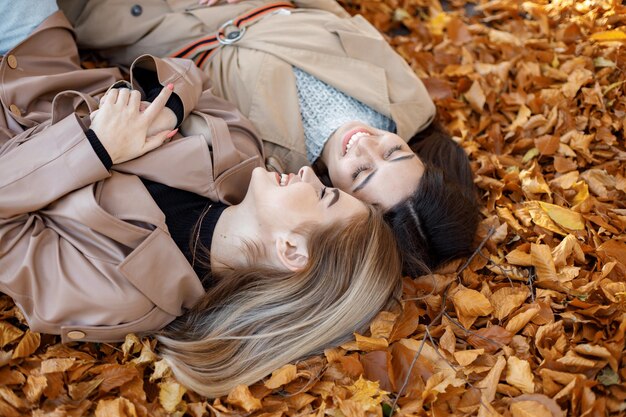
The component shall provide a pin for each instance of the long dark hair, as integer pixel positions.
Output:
(438, 221)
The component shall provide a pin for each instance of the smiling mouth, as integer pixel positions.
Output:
(352, 137)
(283, 179)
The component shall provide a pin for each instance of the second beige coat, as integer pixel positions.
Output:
(256, 72)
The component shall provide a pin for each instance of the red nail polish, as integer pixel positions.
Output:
(170, 86)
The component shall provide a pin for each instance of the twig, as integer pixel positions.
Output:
(491, 231)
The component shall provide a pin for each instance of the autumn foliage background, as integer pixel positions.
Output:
(533, 324)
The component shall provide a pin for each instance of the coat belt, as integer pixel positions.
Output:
(229, 33)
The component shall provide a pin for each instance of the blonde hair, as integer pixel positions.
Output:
(256, 320)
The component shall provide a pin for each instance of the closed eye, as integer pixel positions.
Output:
(391, 151)
(356, 173)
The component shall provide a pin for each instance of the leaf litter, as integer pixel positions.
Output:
(532, 324)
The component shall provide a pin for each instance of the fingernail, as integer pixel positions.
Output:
(172, 133)
(170, 86)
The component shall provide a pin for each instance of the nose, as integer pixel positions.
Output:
(367, 146)
(307, 175)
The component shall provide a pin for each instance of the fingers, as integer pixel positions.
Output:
(135, 100)
(159, 102)
(157, 140)
(203, 2)
(123, 96)
(110, 97)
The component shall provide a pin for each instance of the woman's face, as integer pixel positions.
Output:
(290, 201)
(373, 165)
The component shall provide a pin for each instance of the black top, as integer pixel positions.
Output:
(191, 220)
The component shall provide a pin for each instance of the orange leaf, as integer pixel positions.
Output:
(282, 376)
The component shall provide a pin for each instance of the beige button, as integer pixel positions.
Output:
(15, 110)
(76, 335)
(12, 61)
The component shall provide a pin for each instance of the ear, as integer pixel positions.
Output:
(292, 251)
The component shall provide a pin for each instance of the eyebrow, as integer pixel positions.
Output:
(369, 177)
(335, 197)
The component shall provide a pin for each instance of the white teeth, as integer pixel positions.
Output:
(283, 179)
(355, 137)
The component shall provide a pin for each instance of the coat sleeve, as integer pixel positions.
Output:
(236, 147)
(47, 166)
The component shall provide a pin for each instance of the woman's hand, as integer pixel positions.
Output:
(165, 120)
(123, 128)
(212, 2)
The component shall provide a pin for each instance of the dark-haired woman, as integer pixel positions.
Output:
(322, 88)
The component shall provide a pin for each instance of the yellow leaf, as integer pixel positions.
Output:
(241, 397)
(541, 218)
(608, 35)
(8, 333)
(119, 407)
(367, 393)
(564, 217)
(564, 250)
(170, 395)
(519, 375)
(131, 345)
(437, 23)
(533, 183)
(282, 376)
(161, 369)
(529, 409)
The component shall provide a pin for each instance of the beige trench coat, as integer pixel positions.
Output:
(256, 72)
(85, 252)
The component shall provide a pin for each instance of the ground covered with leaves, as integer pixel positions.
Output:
(533, 324)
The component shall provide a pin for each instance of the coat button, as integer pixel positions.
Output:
(76, 335)
(12, 61)
(136, 10)
(15, 110)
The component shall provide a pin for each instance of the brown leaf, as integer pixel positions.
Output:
(114, 376)
(369, 344)
(476, 97)
(56, 365)
(458, 32)
(519, 375)
(27, 346)
(541, 257)
(170, 395)
(241, 397)
(35, 385)
(382, 325)
(437, 89)
(507, 299)
(529, 409)
(282, 376)
(470, 304)
(490, 338)
(81, 390)
(377, 367)
(466, 357)
(517, 322)
(8, 333)
(119, 407)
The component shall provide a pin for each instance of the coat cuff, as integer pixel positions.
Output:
(99, 148)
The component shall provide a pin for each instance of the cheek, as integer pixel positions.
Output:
(341, 175)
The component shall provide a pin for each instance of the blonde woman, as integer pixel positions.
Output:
(112, 221)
